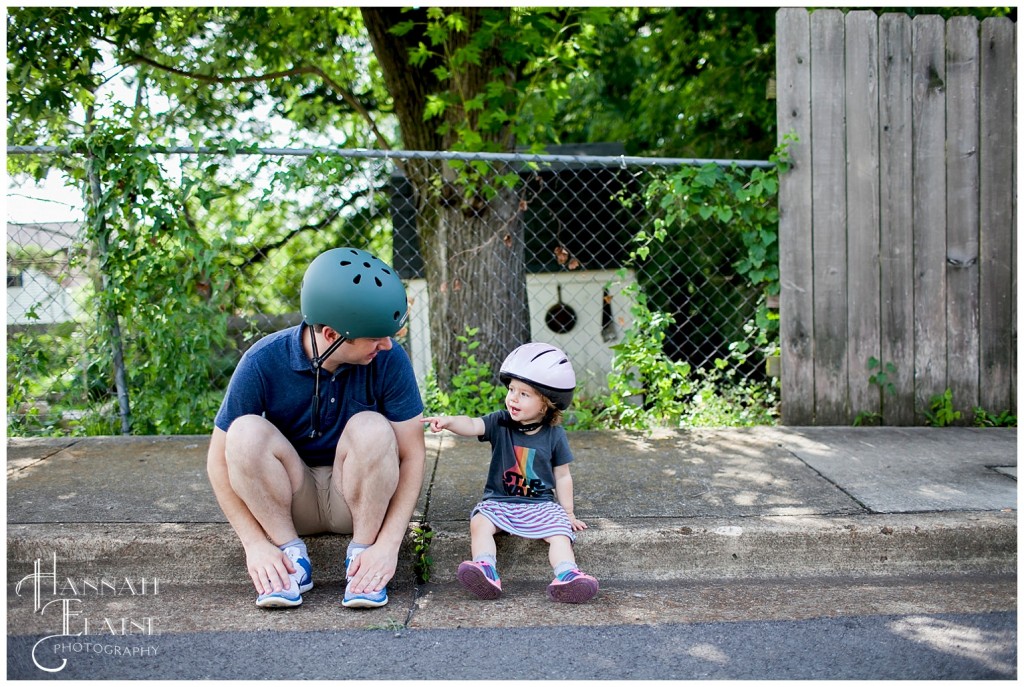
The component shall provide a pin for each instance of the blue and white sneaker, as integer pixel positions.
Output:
(364, 600)
(299, 581)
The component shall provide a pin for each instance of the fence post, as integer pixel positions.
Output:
(113, 322)
(998, 216)
(796, 287)
(929, 192)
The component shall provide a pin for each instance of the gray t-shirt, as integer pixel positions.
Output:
(522, 465)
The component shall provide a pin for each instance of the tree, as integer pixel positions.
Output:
(471, 236)
(476, 79)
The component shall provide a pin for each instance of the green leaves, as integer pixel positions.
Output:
(159, 276)
(473, 391)
(436, 106)
(641, 369)
(500, 72)
(423, 563)
(714, 228)
(676, 82)
(882, 376)
(941, 412)
(402, 28)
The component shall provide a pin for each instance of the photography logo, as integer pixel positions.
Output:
(64, 599)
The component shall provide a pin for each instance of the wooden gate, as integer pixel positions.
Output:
(898, 216)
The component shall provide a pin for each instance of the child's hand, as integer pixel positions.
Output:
(437, 423)
(577, 524)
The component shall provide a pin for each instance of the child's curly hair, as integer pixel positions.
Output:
(552, 415)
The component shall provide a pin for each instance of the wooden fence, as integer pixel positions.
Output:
(898, 217)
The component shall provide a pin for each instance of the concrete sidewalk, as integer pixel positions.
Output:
(702, 504)
(700, 526)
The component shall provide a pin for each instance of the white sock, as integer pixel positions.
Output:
(299, 544)
(489, 559)
(564, 566)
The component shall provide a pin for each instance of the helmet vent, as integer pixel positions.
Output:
(378, 281)
(345, 263)
(358, 277)
(398, 315)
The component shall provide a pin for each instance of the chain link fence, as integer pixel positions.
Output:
(132, 320)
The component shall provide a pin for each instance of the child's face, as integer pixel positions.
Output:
(524, 403)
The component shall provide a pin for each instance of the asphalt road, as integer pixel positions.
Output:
(960, 646)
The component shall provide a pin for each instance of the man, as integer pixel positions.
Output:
(320, 431)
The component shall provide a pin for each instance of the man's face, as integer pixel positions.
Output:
(363, 351)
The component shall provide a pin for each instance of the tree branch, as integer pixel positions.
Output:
(271, 76)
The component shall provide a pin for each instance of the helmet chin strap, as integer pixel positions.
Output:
(519, 426)
(317, 362)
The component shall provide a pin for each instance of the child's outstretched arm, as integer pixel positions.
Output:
(463, 425)
(563, 492)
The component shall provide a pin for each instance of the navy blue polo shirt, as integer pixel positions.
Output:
(275, 379)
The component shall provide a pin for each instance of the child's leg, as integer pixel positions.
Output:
(480, 575)
(481, 532)
(560, 551)
(570, 585)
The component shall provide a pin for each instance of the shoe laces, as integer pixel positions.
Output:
(294, 555)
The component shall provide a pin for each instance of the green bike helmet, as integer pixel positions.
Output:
(354, 293)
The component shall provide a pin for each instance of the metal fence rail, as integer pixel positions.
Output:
(254, 217)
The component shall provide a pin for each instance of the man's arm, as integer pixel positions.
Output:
(268, 566)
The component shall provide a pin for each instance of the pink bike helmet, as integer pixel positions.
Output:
(544, 367)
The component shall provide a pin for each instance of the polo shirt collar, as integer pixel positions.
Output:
(297, 358)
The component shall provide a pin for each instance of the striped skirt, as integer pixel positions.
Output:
(538, 520)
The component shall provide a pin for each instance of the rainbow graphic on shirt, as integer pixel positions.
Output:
(520, 479)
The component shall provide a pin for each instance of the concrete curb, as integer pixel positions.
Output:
(768, 547)
(763, 548)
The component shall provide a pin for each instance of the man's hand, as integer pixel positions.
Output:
(268, 567)
(372, 569)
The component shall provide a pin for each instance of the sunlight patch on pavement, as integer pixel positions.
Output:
(708, 652)
(994, 650)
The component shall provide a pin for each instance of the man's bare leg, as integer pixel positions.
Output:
(366, 466)
(264, 471)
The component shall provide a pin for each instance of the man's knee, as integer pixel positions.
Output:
(367, 454)
(244, 427)
(252, 439)
(245, 432)
(369, 433)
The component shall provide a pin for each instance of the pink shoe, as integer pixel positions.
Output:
(479, 578)
(573, 587)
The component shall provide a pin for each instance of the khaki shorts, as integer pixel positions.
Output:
(318, 507)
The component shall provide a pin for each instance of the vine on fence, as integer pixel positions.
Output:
(472, 392)
(646, 385)
(155, 272)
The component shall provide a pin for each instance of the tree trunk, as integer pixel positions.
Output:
(475, 263)
(473, 248)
